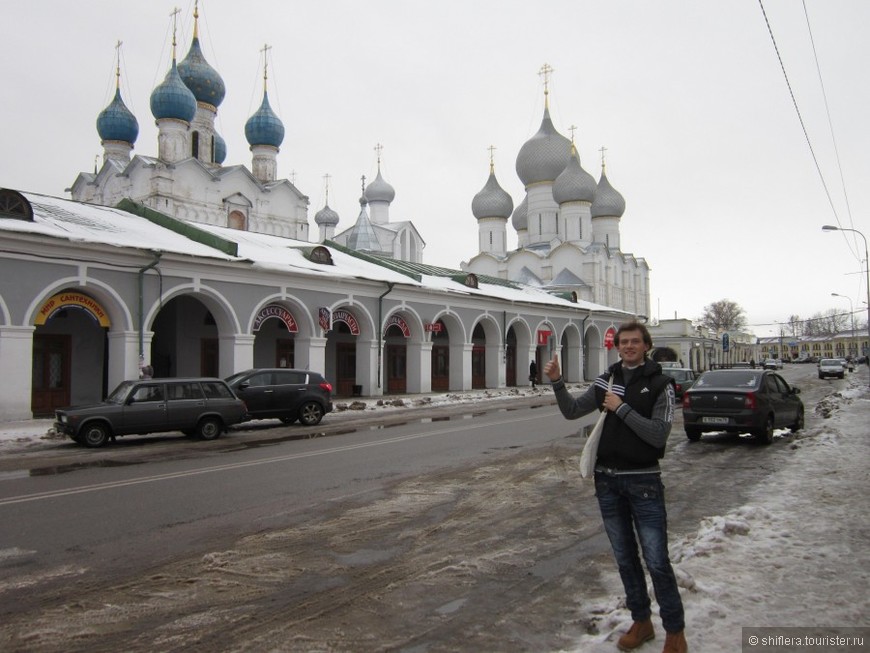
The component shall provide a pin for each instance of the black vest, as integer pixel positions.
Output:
(620, 447)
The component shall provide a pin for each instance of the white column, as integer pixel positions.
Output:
(236, 354)
(124, 355)
(16, 353)
(460, 366)
(425, 376)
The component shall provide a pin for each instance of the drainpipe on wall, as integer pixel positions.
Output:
(583, 340)
(389, 289)
(142, 272)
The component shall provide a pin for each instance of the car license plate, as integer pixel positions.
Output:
(714, 420)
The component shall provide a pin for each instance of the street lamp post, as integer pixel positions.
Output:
(851, 314)
(830, 227)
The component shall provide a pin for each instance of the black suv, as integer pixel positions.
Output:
(199, 406)
(286, 394)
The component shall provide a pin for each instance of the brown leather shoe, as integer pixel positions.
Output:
(640, 632)
(675, 643)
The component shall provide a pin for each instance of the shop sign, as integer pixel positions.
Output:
(543, 336)
(342, 315)
(396, 320)
(433, 327)
(323, 314)
(279, 312)
(75, 300)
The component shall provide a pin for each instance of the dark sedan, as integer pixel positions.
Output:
(742, 401)
(684, 378)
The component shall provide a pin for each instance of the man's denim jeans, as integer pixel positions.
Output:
(632, 502)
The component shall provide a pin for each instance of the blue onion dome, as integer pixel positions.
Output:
(608, 203)
(574, 184)
(203, 80)
(264, 127)
(116, 122)
(520, 217)
(220, 148)
(379, 190)
(326, 216)
(544, 156)
(492, 201)
(172, 99)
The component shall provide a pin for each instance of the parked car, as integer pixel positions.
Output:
(831, 367)
(740, 401)
(741, 365)
(772, 364)
(284, 393)
(683, 379)
(203, 407)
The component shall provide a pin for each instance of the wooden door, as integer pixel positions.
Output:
(51, 374)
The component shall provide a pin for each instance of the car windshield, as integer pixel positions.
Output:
(726, 379)
(679, 375)
(120, 393)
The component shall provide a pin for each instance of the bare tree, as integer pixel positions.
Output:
(797, 326)
(723, 315)
(828, 323)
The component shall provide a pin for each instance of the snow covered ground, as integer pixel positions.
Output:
(795, 555)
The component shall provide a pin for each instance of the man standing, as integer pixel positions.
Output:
(640, 411)
(533, 373)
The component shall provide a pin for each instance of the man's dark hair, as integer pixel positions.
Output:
(634, 325)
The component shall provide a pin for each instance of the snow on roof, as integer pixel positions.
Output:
(89, 223)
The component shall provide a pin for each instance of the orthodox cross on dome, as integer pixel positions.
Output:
(118, 64)
(572, 129)
(174, 16)
(195, 19)
(602, 150)
(265, 50)
(545, 72)
(326, 179)
(379, 148)
(293, 177)
(491, 149)
(363, 180)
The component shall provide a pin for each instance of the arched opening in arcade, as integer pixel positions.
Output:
(275, 329)
(70, 352)
(440, 356)
(186, 339)
(396, 336)
(341, 353)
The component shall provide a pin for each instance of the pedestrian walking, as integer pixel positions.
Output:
(640, 412)
(533, 373)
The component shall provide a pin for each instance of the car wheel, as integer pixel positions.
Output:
(310, 414)
(821, 376)
(798, 422)
(765, 434)
(94, 435)
(209, 428)
(842, 376)
(693, 433)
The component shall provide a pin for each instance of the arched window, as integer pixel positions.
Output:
(236, 220)
(14, 205)
(194, 145)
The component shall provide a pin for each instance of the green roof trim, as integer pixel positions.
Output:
(390, 264)
(179, 226)
(416, 270)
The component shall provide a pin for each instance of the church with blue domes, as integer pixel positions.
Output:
(187, 179)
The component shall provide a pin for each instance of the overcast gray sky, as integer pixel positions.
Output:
(723, 196)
